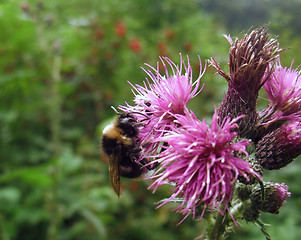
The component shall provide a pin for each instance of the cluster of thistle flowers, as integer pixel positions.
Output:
(209, 165)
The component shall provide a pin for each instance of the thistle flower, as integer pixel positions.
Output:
(201, 162)
(162, 97)
(248, 61)
(284, 92)
(279, 147)
(275, 195)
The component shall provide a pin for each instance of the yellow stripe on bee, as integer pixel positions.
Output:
(112, 132)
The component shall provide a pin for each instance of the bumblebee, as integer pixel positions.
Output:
(119, 144)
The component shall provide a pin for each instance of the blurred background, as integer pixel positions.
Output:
(64, 63)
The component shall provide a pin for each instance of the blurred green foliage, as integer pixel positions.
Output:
(62, 65)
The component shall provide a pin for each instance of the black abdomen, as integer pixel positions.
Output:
(126, 154)
(129, 167)
(110, 146)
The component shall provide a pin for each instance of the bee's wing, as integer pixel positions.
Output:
(114, 173)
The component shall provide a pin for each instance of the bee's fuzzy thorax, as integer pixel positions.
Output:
(112, 131)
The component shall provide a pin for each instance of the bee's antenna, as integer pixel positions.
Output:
(115, 110)
(147, 117)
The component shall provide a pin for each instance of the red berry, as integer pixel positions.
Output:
(120, 28)
(188, 46)
(169, 33)
(135, 45)
(99, 34)
(162, 48)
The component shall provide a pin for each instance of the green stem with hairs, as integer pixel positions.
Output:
(220, 225)
(224, 222)
(218, 228)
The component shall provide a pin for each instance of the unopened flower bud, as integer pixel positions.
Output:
(256, 167)
(275, 194)
(279, 147)
(249, 59)
(243, 191)
(250, 213)
(233, 106)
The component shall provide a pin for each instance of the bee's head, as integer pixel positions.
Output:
(126, 123)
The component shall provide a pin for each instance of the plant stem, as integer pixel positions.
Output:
(55, 116)
(53, 60)
(55, 124)
(55, 107)
(3, 234)
(263, 229)
(219, 227)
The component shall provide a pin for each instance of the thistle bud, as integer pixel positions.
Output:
(275, 194)
(279, 147)
(248, 61)
(233, 106)
(256, 167)
(250, 213)
(243, 192)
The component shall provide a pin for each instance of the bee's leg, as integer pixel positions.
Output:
(155, 164)
(149, 167)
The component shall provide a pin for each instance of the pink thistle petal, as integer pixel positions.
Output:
(200, 162)
(161, 98)
(284, 92)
